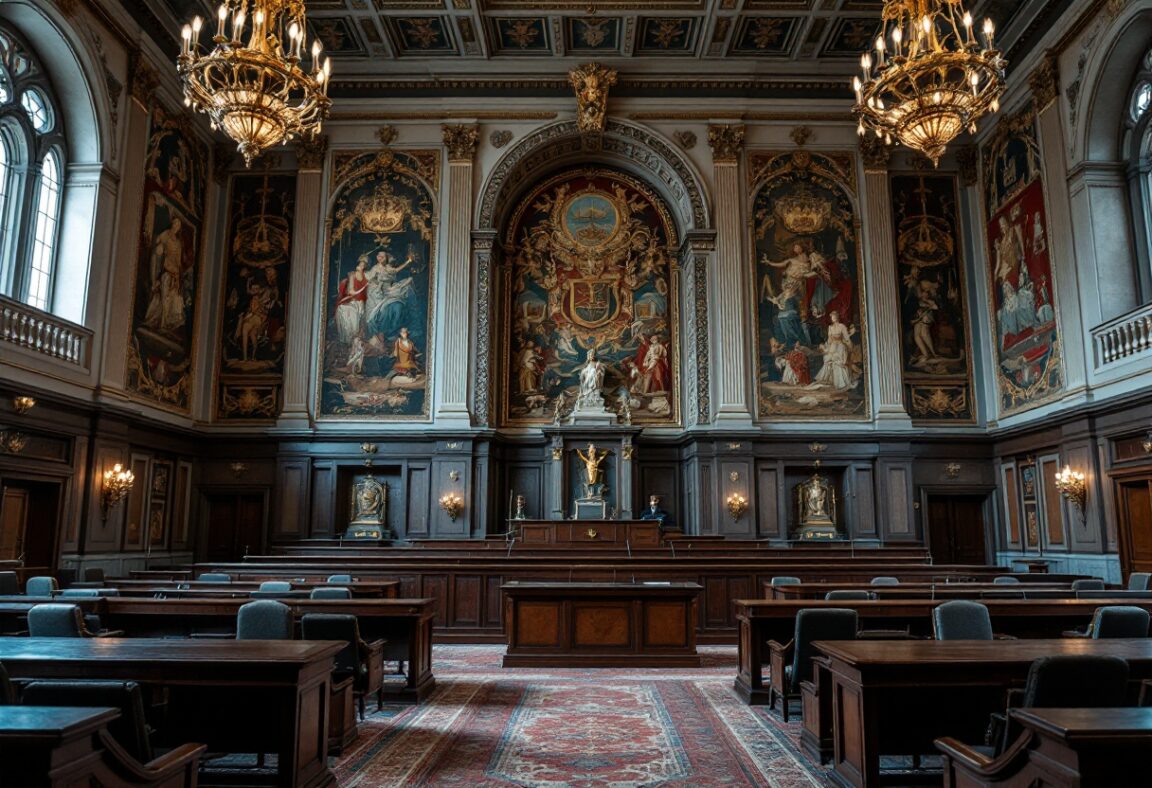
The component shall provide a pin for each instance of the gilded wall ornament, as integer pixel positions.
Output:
(801, 135)
(461, 141)
(726, 142)
(387, 134)
(968, 163)
(142, 77)
(685, 139)
(591, 83)
(875, 154)
(1044, 81)
(310, 153)
(500, 138)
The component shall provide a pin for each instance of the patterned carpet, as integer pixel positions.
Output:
(492, 726)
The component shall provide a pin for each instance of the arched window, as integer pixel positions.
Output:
(32, 167)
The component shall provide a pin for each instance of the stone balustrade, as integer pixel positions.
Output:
(1124, 337)
(43, 333)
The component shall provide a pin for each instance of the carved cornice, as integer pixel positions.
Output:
(142, 78)
(447, 114)
(742, 88)
(461, 141)
(726, 141)
(875, 153)
(1044, 81)
(310, 153)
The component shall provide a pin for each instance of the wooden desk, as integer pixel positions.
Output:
(600, 624)
(761, 620)
(917, 590)
(1061, 748)
(235, 696)
(371, 589)
(621, 534)
(897, 697)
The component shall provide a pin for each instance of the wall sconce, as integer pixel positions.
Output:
(737, 505)
(23, 404)
(117, 483)
(1072, 486)
(452, 504)
(12, 442)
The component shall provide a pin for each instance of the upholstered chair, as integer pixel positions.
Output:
(885, 581)
(7, 696)
(9, 583)
(848, 593)
(364, 662)
(1088, 584)
(129, 730)
(214, 577)
(784, 580)
(1119, 621)
(40, 586)
(791, 663)
(265, 619)
(93, 574)
(961, 619)
(339, 578)
(1006, 580)
(330, 592)
(1139, 581)
(56, 621)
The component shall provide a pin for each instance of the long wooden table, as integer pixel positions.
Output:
(369, 589)
(761, 620)
(919, 590)
(235, 696)
(897, 697)
(601, 624)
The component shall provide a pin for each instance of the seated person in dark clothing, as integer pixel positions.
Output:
(654, 512)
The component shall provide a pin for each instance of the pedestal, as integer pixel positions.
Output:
(817, 533)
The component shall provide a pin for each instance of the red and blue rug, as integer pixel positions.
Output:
(491, 726)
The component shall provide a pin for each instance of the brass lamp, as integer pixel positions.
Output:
(452, 504)
(929, 78)
(737, 504)
(1073, 487)
(252, 83)
(118, 482)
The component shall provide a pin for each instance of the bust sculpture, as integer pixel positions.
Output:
(369, 509)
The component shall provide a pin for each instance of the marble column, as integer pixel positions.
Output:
(886, 354)
(455, 277)
(729, 305)
(301, 343)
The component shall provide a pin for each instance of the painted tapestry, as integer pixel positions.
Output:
(161, 347)
(933, 324)
(811, 350)
(1028, 359)
(253, 329)
(379, 275)
(591, 273)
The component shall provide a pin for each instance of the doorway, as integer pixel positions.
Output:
(956, 532)
(1135, 532)
(29, 520)
(235, 526)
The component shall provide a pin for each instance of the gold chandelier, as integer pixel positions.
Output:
(252, 84)
(932, 81)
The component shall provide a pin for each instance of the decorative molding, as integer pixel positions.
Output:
(447, 114)
(387, 135)
(482, 248)
(142, 77)
(310, 153)
(968, 164)
(781, 117)
(461, 141)
(685, 139)
(875, 153)
(801, 135)
(591, 83)
(500, 138)
(727, 142)
(1044, 81)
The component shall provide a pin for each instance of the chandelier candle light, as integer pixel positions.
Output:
(252, 84)
(1073, 487)
(932, 81)
(118, 482)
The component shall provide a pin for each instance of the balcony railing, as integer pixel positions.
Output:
(1124, 337)
(43, 333)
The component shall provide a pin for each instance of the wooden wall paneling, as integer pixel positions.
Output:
(292, 478)
(1107, 490)
(716, 608)
(322, 522)
(442, 526)
(1050, 505)
(735, 478)
(436, 586)
(131, 514)
(769, 522)
(481, 499)
(1010, 502)
(861, 501)
(897, 523)
(466, 600)
(414, 513)
(1084, 533)
(181, 505)
(493, 601)
(72, 507)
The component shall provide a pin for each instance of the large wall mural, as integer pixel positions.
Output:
(1028, 357)
(376, 347)
(811, 349)
(590, 271)
(161, 345)
(934, 326)
(256, 281)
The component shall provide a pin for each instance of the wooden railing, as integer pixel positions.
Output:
(44, 333)
(1124, 337)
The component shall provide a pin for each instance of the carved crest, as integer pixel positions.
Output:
(591, 83)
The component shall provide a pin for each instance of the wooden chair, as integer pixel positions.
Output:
(791, 663)
(57, 621)
(849, 593)
(364, 662)
(1119, 621)
(1088, 584)
(784, 580)
(330, 592)
(1006, 580)
(960, 619)
(214, 577)
(1139, 581)
(265, 619)
(885, 581)
(40, 585)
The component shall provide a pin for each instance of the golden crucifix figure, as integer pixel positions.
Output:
(592, 462)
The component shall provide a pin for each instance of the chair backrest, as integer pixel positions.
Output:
(9, 583)
(275, 585)
(41, 585)
(265, 619)
(214, 577)
(56, 621)
(812, 624)
(1005, 580)
(339, 578)
(79, 593)
(7, 696)
(129, 730)
(330, 592)
(885, 581)
(1120, 621)
(784, 580)
(94, 574)
(961, 619)
(1076, 682)
(1088, 584)
(1139, 581)
(848, 593)
(336, 626)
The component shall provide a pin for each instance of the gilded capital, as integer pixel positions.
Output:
(461, 141)
(142, 78)
(310, 153)
(591, 83)
(1044, 81)
(875, 153)
(726, 142)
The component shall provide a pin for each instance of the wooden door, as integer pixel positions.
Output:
(13, 517)
(956, 533)
(235, 526)
(29, 520)
(1136, 525)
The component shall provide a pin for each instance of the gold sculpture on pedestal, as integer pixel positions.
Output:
(593, 472)
(816, 507)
